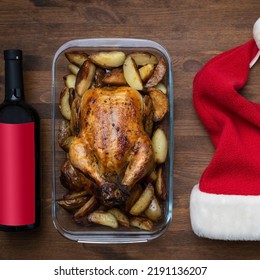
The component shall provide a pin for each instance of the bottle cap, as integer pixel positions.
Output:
(13, 54)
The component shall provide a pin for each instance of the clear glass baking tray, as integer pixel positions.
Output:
(62, 219)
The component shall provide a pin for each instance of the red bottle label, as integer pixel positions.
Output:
(17, 174)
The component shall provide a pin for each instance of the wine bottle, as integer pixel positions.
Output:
(19, 152)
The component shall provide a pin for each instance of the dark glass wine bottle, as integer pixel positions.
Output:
(19, 152)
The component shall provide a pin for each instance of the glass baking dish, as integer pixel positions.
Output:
(61, 218)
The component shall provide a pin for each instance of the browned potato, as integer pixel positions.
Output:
(74, 180)
(65, 104)
(108, 60)
(154, 211)
(131, 74)
(143, 58)
(160, 103)
(72, 95)
(75, 116)
(64, 135)
(146, 72)
(148, 105)
(160, 185)
(158, 73)
(99, 76)
(74, 69)
(66, 144)
(76, 57)
(161, 87)
(115, 77)
(70, 80)
(160, 146)
(148, 114)
(134, 195)
(103, 218)
(85, 77)
(76, 194)
(120, 216)
(87, 208)
(153, 176)
(73, 201)
(72, 204)
(143, 201)
(141, 223)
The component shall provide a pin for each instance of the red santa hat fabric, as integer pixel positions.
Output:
(226, 202)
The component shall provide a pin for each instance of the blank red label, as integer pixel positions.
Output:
(17, 174)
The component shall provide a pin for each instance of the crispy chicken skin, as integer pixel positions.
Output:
(112, 146)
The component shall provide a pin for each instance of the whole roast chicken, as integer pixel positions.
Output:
(112, 146)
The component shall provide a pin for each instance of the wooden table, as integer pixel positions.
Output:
(193, 32)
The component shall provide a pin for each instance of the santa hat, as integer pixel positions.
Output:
(226, 202)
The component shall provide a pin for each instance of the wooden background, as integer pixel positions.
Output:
(193, 32)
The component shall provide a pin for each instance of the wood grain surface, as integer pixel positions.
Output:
(193, 32)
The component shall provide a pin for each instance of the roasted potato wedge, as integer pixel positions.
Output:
(160, 145)
(152, 176)
(72, 204)
(131, 74)
(134, 195)
(103, 218)
(160, 103)
(66, 144)
(64, 135)
(74, 69)
(99, 76)
(76, 194)
(154, 211)
(108, 60)
(64, 131)
(115, 77)
(158, 73)
(72, 179)
(160, 184)
(76, 57)
(148, 105)
(75, 116)
(143, 58)
(65, 103)
(148, 114)
(70, 80)
(143, 201)
(72, 95)
(87, 208)
(146, 71)
(161, 87)
(85, 77)
(141, 223)
(120, 216)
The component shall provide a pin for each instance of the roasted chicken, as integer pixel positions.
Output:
(112, 146)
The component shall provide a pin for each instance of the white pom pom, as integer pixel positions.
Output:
(256, 35)
(256, 32)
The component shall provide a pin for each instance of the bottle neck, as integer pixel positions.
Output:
(14, 90)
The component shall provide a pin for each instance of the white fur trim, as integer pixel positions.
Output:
(226, 217)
